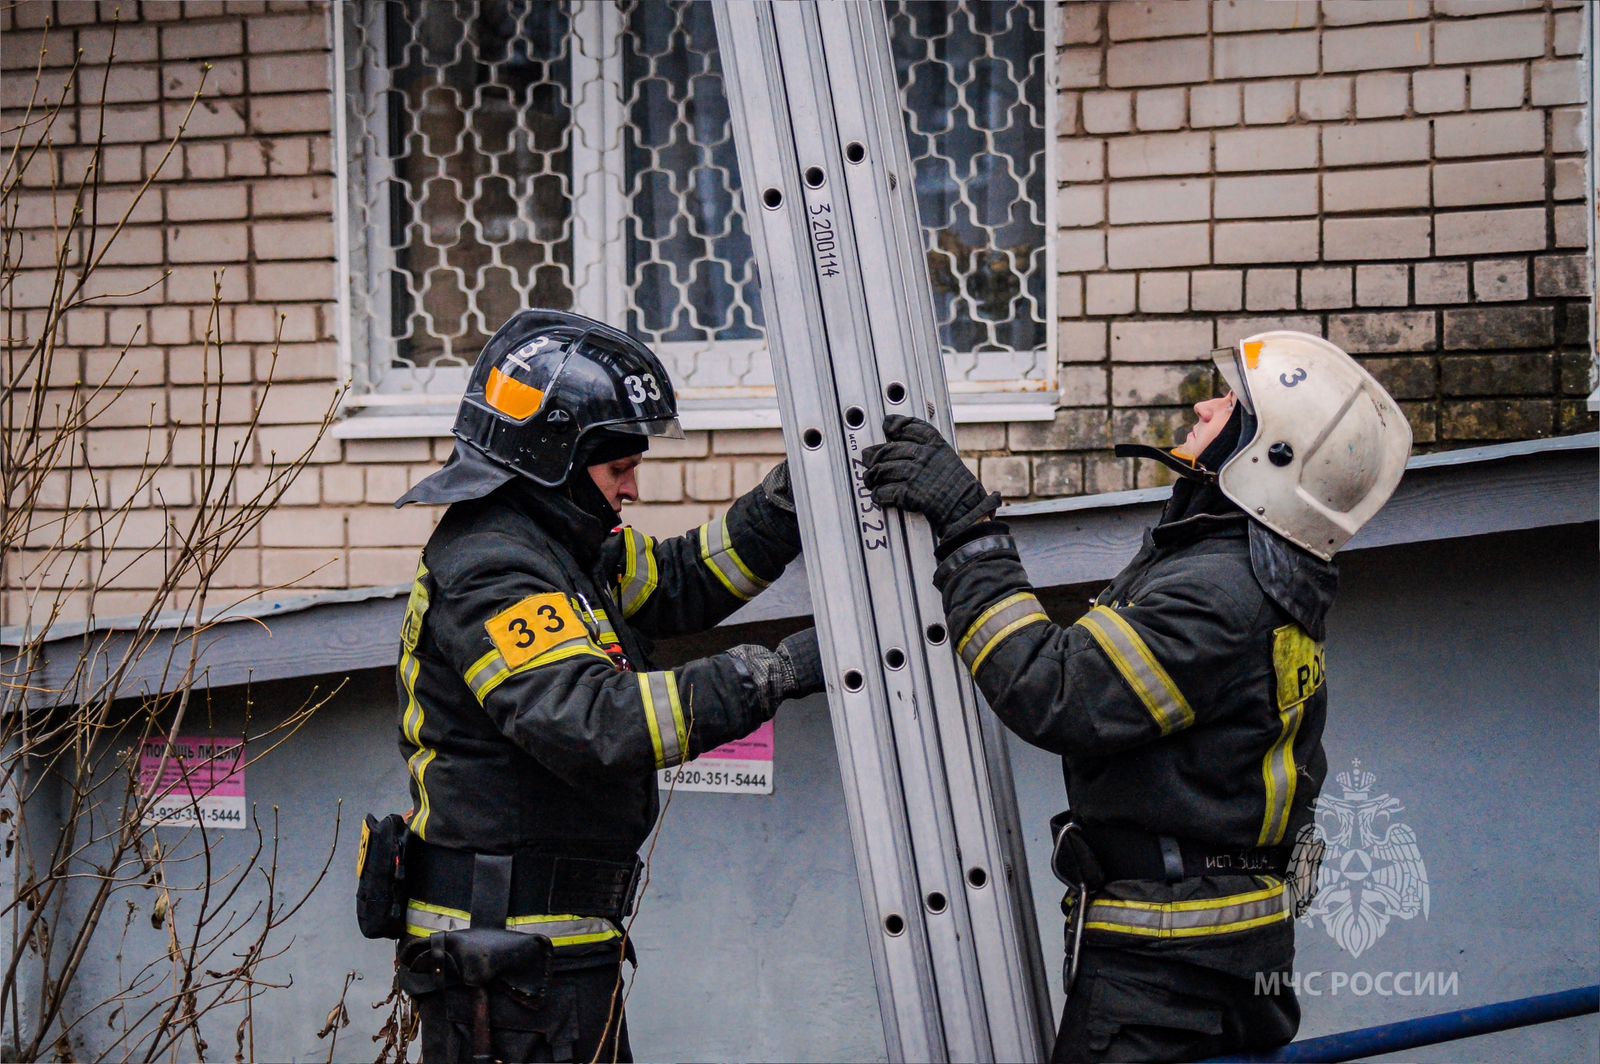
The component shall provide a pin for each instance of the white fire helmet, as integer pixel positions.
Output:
(1330, 444)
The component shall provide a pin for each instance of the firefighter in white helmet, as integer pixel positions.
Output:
(1188, 703)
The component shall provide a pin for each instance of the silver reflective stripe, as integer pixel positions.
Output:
(423, 920)
(420, 921)
(716, 550)
(486, 674)
(663, 716)
(1140, 668)
(639, 573)
(490, 671)
(1190, 919)
(606, 634)
(996, 624)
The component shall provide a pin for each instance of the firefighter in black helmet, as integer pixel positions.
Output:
(532, 722)
(1187, 704)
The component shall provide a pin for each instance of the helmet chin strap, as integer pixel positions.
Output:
(1171, 457)
(1201, 469)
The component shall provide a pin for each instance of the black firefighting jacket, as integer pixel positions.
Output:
(1188, 702)
(531, 717)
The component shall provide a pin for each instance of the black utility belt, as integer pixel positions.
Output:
(1099, 853)
(540, 883)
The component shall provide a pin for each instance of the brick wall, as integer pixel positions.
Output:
(1402, 177)
(248, 191)
(1406, 178)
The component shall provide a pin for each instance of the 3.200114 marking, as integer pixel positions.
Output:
(823, 241)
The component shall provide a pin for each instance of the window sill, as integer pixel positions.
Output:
(696, 415)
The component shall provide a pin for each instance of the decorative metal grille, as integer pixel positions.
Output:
(577, 155)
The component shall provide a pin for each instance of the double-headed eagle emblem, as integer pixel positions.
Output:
(1356, 867)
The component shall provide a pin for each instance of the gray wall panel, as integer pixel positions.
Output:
(1462, 673)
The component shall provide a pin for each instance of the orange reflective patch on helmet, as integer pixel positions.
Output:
(511, 397)
(1252, 354)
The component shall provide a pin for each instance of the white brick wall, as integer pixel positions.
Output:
(1359, 167)
(1405, 176)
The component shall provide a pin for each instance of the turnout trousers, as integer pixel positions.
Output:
(1127, 1006)
(571, 1021)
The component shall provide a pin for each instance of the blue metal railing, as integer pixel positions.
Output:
(1445, 1027)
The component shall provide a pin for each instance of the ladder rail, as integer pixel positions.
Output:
(851, 327)
(1005, 930)
(851, 340)
(874, 801)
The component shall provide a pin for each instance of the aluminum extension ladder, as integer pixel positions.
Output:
(829, 200)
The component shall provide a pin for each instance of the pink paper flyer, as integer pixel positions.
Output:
(202, 782)
(743, 766)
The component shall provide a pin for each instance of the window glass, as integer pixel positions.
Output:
(511, 153)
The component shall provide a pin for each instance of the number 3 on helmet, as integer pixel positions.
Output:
(1330, 444)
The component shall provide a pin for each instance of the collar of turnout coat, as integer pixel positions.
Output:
(1302, 584)
(566, 522)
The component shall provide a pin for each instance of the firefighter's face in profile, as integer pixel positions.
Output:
(618, 481)
(1211, 417)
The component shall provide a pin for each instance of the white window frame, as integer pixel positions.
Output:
(599, 267)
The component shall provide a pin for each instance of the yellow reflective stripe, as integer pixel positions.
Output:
(1005, 633)
(650, 715)
(1188, 932)
(1278, 777)
(606, 633)
(423, 920)
(1300, 666)
(416, 609)
(1140, 668)
(411, 728)
(1191, 919)
(439, 910)
(489, 671)
(483, 669)
(565, 930)
(718, 555)
(1264, 894)
(639, 573)
(418, 764)
(411, 722)
(997, 624)
(663, 717)
(678, 725)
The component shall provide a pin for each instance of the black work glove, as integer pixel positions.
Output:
(917, 470)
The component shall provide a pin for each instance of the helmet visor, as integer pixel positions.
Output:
(1227, 363)
(656, 426)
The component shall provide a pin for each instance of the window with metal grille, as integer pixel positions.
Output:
(578, 155)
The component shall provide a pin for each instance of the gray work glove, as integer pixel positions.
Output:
(801, 659)
(775, 485)
(918, 470)
(793, 670)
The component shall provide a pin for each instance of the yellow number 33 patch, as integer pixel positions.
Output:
(536, 624)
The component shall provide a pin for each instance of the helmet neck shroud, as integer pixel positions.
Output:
(598, 448)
